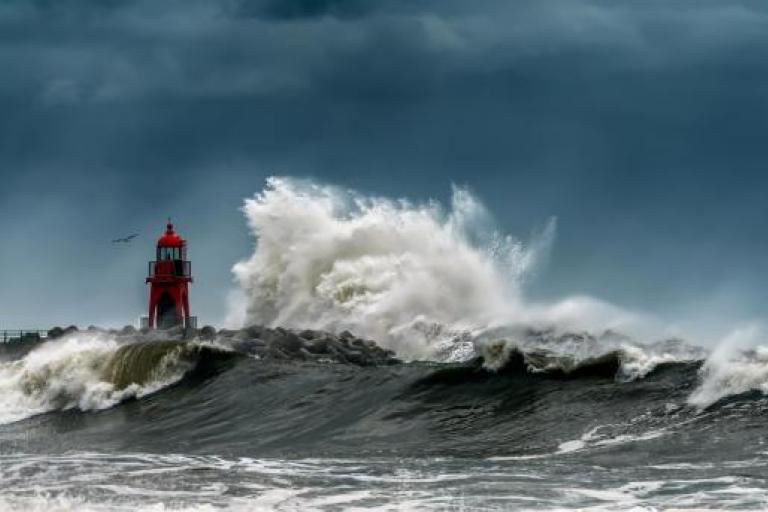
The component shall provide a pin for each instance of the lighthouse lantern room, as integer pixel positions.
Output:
(169, 277)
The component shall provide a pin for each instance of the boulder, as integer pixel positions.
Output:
(254, 331)
(208, 333)
(308, 334)
(289, 343)
(55, 332)
(319, 346)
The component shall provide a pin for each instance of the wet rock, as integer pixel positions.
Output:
(55, 332)
(277, 343)
(275, 353)
(306, 354)
(317, 346)
(289, 343)
(355, 357)
(251, 347)
(254, 331)
(208, 333)
(243, 335)
(308, 334)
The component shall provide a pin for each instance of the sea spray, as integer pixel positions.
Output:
(734, 367)
(417, 278)
(331, 259)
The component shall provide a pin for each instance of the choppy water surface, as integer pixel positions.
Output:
(156, 482)
(287, 421)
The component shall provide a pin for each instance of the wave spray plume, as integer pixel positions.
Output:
(417, 278)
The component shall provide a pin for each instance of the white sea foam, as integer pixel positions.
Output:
(570, 351)
(417, 278)
(43, 503)
(738, 374)
(68, 374)
(732, 368)
(95, 482)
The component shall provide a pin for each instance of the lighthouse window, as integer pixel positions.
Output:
(169, 253)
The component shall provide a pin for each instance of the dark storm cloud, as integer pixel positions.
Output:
(640, 124)
(275, 9)
(95, 51)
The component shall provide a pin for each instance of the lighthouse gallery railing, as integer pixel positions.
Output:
(179, 268)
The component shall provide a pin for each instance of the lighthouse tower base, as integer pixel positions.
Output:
(189, 324)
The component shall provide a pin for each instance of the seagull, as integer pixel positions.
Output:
(125, 240)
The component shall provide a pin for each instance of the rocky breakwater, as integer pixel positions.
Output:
(274, 344)
(304, 345)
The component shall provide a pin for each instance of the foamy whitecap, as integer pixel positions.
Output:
(726, 376)
(71, 373)
(566, 352)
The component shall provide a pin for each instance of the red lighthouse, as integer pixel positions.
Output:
(169, 277)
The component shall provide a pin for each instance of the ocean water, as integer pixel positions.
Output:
(214, 426)
(460, 394)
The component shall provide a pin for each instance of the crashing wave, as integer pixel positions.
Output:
(575, 353)
(95, 369)
(408, 275)
(90, 371)
(728, 376)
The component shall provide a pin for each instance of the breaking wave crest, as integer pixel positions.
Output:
(578, 353)
(418, 279)
(740, 373)
(88, 371)
(415, 279)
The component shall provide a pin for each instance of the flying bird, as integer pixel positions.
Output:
(125, 240)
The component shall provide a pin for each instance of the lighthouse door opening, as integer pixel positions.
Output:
(166, 312)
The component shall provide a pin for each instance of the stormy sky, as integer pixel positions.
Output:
(643, 126)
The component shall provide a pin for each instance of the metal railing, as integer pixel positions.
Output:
(175, 268)
(19, 335)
